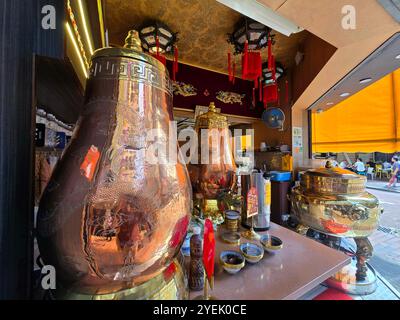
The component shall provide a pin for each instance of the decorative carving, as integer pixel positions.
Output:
(128, 69)
(230, 97)
(184, 89)
(364, 252)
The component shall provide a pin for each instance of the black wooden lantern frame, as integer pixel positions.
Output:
(152, 30)
(268, 74)
(254, 32)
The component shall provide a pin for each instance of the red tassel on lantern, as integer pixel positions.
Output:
(260, 91)
(229, 67)
(233, 73)
(157, 55)
(175, 65)
(245, 57)
(269, 52)
(273, 68)
(157, 46)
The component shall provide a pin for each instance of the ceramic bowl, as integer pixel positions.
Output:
(252, 252)
(271, 243)
(232, 261)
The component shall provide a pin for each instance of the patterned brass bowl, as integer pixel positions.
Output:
(271, 243)
(232, 261)
(252, 252)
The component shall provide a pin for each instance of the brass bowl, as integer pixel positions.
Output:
(232, 238)
(271, 243)
(252, 252)
(232, 261)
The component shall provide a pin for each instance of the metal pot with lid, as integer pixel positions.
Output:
(334, 201)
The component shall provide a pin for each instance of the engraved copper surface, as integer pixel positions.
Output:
(110, 220)
(210, 179)
(334, 201)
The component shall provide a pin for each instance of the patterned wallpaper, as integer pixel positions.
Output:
(202, 27)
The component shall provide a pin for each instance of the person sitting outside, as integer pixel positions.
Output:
(359, 166)
(333, 162)
(371, 163)
(343, 164)
(395, 172)
(386, 165)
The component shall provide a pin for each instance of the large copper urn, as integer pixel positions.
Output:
(214, 173)
(110, 220)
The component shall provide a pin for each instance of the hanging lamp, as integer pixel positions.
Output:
(158, 40)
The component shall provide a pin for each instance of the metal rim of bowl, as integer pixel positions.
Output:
(251, 257)
(225, 238)
(271, 247)
(229, 265)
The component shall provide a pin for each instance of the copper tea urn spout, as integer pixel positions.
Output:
(110, 220)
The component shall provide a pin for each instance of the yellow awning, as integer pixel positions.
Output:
(369, 121)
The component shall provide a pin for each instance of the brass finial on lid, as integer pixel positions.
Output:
(132, 41)
(211, 119)
(211, 107)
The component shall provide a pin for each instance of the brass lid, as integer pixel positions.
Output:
(332, 181)
(211, 119)
(232, 238)
(132, 49)
(333, 173)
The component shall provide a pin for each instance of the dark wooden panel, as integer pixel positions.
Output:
(17, 42)
(317, 53)
(20, 36)
(58, 89)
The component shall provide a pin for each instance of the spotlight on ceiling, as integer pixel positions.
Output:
(398, 57)
(366, 80)
(330, 103)
(345, 94)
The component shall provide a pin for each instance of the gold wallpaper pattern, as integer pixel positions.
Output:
(202, 27)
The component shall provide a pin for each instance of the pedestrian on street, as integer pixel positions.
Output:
(395, 172)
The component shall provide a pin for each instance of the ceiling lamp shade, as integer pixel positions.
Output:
(158, 39)
(150, 32)
(255, 33)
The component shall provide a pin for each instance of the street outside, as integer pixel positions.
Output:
(386, 240)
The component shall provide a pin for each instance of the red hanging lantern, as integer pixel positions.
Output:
(251, 65)
(249, 38)
(270, 94)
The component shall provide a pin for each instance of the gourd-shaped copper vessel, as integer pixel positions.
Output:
(218, 175)
(109, 219)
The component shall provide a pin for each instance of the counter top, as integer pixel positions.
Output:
(287, 274)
